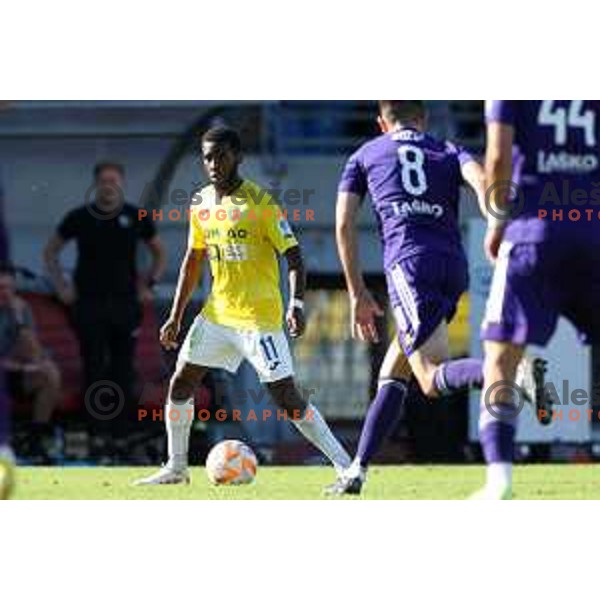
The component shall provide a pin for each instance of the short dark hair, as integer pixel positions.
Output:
(7, 268)
(108, 164)
(223, 135)
(397, 111)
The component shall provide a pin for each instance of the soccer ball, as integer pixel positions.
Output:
(231, 462)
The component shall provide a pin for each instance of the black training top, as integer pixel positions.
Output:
(106, 249)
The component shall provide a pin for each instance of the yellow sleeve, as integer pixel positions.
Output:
(196, 239)
(276, 227)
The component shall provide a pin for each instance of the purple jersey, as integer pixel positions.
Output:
(549, 267)
(413, 180)
(556, 162)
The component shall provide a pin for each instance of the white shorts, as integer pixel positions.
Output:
(211, 345)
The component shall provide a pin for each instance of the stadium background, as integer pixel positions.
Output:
(47, 151)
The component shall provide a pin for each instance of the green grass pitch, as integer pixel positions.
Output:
(288, 483)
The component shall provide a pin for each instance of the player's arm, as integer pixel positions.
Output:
(190, 272)
(498, 164)
(474, 176)
(279, 233)
(346, 212)
(500, 118)
(187, 282)
(498, 174)
(295, 319)
(363, 306)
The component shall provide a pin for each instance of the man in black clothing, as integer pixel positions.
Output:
(106, 295)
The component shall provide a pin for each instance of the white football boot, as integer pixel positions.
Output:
(493, 493)
(349, 482)
(167, 475)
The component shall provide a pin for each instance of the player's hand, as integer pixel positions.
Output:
(491, 244)
(169, 333)
(364, 310)
(296, 321)
(67, 294)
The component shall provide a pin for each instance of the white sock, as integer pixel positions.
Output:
(355, 469)
(179, 417)
(314, 428)
(499, 475)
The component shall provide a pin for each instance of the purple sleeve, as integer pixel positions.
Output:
(500, 111)
(353, 178)
(463, 156)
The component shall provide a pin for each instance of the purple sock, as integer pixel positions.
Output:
(383, 414)
(497, 433)
(460, 374)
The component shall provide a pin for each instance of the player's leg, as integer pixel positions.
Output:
(179, 412)
(438, 376)
(207, 345)
(179, 418)
(388, 405)
(420, 308)
(310, 423)
(522, 308)
(424, 292)
(383, 415)
(270, 355)
(498, 416)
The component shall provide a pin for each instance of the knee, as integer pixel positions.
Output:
(501, 361)
(181, 387)
(286, 395)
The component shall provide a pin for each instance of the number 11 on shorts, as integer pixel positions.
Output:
(267, 344)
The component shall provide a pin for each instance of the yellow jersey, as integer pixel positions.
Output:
(242, 234)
